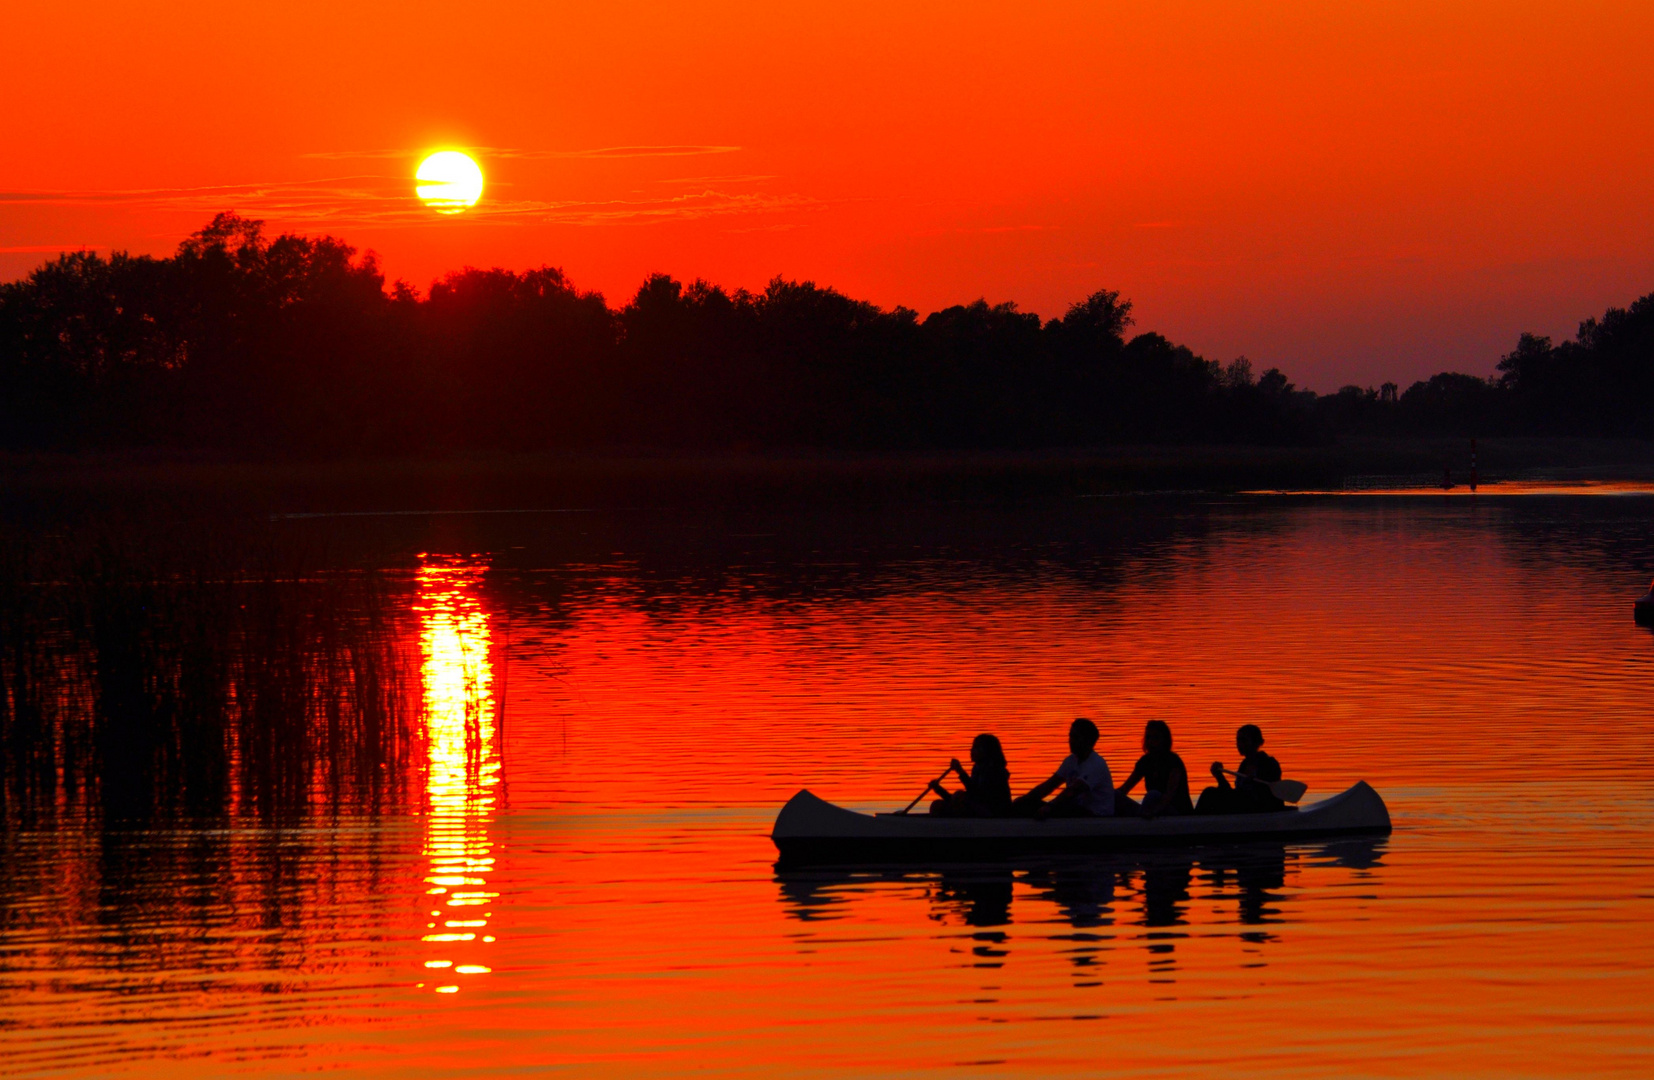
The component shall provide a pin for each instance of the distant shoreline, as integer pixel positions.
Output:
(564, 481)
(298, 346)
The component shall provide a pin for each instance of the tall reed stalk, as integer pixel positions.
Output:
(164, 670)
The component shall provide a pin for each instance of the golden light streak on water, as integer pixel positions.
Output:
(463, 768)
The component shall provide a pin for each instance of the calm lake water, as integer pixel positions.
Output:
(501, 808)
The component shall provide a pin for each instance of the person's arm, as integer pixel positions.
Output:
(1218, 774)
(1260, 769)
(1252, 776)
(1041, 791)
(953, 766)
(1131, 781)
(1076, 790)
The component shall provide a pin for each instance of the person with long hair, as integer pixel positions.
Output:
(1164, 777)
(986, 789)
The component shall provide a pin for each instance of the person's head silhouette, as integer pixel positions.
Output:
(1082, 736)
(985, 750)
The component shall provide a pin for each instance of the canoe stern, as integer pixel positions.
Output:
(1358, 809)
(807, 815)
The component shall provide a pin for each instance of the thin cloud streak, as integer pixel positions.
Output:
(517, 153)
(730, 178)
(386, 201)
(703, 204)
(625, 152)
(155, 196)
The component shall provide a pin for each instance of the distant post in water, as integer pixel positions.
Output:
(1473, 466)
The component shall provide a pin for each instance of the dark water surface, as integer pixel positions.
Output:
(489, 795)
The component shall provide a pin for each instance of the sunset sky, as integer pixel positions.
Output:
(1352, 191)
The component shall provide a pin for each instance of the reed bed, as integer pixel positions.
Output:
(162, 670)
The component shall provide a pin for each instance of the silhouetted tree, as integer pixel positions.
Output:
(1599, 384)
(297, 345)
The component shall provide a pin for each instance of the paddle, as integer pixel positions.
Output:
(925, 792)
(1284, 790)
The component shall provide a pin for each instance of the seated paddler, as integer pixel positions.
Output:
(1250, 793)
(1087, 787)
(985, 790)
(1164, 778)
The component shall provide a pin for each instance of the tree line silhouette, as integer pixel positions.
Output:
(298, 345)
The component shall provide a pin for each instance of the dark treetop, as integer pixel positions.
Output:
(296, 346)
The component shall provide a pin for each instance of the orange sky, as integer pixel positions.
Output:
(1355, 191)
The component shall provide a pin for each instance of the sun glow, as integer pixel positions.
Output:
(449, 182)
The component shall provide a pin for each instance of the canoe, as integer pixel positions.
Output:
(810, 829)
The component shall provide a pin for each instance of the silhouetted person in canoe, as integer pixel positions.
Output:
(1248, 795)
(1087, 787)
(1165, 779)
(987, 787)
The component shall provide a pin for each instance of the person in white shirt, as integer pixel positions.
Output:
(1087, 786)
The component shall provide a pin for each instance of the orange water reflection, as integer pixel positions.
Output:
(463, 771)
(1460, 488)
(1475, 662)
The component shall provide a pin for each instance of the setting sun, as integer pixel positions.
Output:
(449, 182)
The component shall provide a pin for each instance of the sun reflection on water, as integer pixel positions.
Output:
(463, 770)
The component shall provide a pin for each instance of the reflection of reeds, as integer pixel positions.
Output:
(198, 674)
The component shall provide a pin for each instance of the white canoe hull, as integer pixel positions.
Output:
(810, 829)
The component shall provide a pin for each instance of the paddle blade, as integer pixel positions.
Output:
(1289, 790)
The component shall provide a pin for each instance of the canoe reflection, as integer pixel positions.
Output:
(1140, 898)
